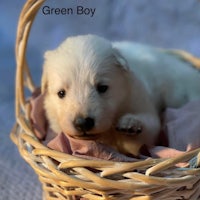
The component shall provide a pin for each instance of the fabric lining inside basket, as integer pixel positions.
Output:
(181, 132)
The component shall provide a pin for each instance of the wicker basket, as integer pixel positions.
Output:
(67, 177)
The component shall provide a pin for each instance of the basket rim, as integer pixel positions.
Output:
(23, 76)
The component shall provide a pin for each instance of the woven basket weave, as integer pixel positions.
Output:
(67, 177)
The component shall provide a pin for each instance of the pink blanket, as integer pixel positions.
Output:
(181, 132)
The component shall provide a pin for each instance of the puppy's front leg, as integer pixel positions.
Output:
(130, 124)
(147, 125)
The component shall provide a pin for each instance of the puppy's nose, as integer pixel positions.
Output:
(84, 124)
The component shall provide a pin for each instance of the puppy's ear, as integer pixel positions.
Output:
(44, 81)
(121, 61)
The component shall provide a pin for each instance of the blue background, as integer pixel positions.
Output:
(169, 24)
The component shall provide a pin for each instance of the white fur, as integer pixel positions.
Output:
(142, 81)
(170, 81)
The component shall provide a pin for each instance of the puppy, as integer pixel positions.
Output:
(113, 92)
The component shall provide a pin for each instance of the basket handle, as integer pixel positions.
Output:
(23, 76)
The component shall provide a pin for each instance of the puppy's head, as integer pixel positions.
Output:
(85, 86)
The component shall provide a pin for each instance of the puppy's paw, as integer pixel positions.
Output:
(130, 124)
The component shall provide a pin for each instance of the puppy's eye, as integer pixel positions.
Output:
(61, 94)
(101, 88)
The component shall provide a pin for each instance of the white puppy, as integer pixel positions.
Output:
(113, 92)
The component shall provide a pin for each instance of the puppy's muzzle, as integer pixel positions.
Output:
(84, 124)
